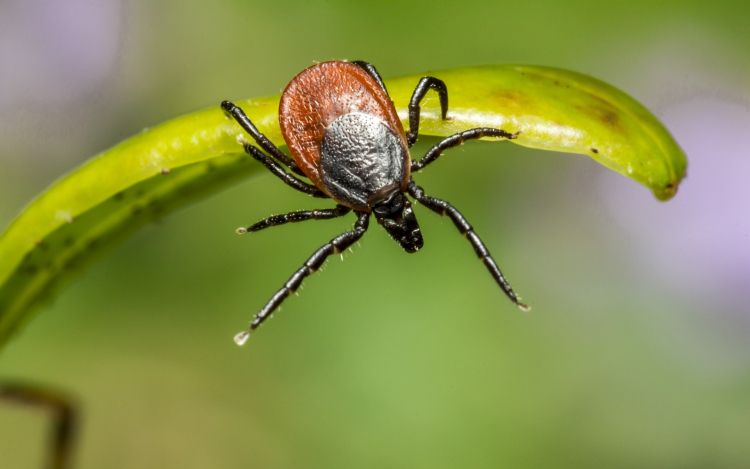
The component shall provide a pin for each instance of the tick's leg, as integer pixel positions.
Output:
(423, 86)
(294, 217)
(239, 115)
(457, 139)
(369, 68)
(63, 410)
(335, 246)
(276, 169)
(444, 208)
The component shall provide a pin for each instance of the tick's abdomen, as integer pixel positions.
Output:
(320, 96)
(361, 159)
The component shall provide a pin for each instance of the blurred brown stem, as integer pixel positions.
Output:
(63, 412)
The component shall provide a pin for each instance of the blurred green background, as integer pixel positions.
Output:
(636, 352)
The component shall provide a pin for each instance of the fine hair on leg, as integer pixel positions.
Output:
(442, 207)
(335, 246)
(296, 217)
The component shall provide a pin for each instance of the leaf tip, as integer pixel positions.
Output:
(665, 193)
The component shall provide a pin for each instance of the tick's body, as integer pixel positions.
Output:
(346, 138)
(344, 133)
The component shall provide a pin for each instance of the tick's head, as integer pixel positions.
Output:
(395, 214)
(389, 205)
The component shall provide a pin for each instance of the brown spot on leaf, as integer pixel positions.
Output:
(609, 117)
(603, 110)
(510, 99)
(606, 115)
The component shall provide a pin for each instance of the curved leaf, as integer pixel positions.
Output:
(556, 110)
(153, 173)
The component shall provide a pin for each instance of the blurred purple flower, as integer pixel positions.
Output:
(699, 242)
(54, 51)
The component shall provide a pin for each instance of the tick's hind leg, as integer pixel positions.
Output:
(335, 246)
(444, 208)
(295, 217)
(64, 413)
(239, 115)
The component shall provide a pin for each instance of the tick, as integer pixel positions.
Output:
(345, 137)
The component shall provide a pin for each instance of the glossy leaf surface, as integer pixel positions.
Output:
(190, 157)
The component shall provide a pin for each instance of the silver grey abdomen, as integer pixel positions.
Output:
(361, 159)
